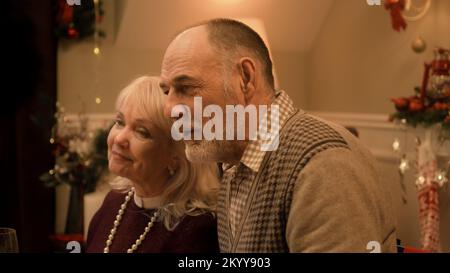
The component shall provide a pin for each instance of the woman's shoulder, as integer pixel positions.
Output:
(111, 202)
(113, 199)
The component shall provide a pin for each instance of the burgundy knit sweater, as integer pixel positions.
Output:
(194, 234)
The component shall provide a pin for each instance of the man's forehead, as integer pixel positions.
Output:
(187, 54)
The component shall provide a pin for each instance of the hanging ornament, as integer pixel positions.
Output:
(419, 45)
(416, 9)
(396, 7)
(72, 33)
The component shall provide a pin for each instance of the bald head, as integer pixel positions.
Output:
(234, 38)
(228, 39)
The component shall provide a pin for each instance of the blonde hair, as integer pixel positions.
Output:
(192, 189)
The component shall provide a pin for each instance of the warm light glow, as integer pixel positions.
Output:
(96, 50)
(98, 100)
(227, 2)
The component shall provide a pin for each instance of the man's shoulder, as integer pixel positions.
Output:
(306, 131)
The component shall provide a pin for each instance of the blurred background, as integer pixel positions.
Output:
(66, 61)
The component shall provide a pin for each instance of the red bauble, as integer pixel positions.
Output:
(416, 105)
(440, 106)
(401, 104)
(72, 33)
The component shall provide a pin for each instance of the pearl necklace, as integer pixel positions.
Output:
(117, 223)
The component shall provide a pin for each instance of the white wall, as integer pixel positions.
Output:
(358, 61)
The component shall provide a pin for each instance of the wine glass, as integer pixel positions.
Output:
(8, 241)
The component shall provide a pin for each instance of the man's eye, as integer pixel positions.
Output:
(184, 88)
(165, 91)
(119, 122)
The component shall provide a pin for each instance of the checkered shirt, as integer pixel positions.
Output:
(241, 176)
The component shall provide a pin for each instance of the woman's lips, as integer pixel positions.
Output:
(120, 156)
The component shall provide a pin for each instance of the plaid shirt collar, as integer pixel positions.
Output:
(253, 154)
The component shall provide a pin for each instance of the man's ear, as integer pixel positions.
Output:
(247, 71)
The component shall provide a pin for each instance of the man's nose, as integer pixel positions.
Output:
(171, 102)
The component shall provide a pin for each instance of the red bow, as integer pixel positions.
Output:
(396, 7)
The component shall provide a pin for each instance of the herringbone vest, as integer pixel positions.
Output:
(263, 223)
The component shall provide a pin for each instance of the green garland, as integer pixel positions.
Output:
(79, 170)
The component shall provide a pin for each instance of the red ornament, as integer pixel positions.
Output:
(401, 104)
(416, 105)
(440, 106)
(396, 7)
(72, 33)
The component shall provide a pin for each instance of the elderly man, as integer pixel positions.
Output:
(317, 191)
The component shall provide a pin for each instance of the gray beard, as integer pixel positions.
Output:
(214, 151)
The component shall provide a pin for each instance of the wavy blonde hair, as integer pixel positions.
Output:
(192, 189)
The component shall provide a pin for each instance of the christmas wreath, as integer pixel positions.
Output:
(79, 21)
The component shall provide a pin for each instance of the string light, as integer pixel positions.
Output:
(441, 178)
(96, 50)
(420, 181)
(396, 145)
(404, 165)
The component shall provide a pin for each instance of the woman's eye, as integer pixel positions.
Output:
(143, 133)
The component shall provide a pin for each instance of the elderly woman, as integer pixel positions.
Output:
(160, 202)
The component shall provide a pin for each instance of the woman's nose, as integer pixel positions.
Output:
(122, 138)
